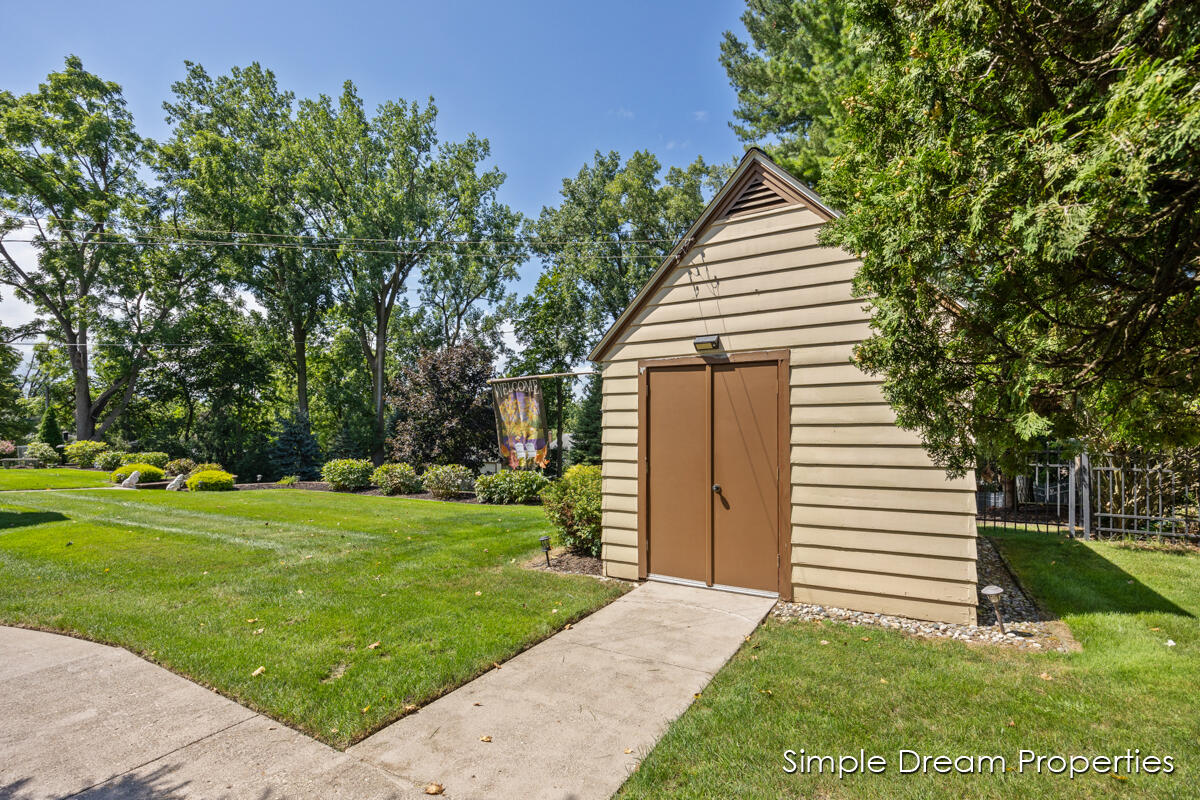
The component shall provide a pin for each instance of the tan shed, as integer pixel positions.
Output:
(770, 464)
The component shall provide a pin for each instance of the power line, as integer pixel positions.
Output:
(293, 246)
(519, 240)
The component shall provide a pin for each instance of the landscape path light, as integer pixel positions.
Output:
(992, 593)
(545, 540)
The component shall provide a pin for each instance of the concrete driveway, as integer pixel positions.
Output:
(569, 718)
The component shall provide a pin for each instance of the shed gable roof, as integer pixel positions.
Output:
(758, 184)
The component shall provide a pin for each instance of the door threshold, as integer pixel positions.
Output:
(716, 586)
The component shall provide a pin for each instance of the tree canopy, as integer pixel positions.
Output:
(616, 223)
(791, 76)
(1023, 185)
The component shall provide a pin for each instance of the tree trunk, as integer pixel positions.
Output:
(377, 369)
(85, 426)
(300, 344)
(1009, 485)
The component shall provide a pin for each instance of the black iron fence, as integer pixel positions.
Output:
(1106, 496)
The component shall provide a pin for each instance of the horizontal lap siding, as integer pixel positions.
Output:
(875, 525)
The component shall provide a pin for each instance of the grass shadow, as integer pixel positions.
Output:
(1067, 576)
(25, 519)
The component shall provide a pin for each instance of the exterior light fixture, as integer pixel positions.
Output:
(992, 593)
(545, 540)
(704, 344)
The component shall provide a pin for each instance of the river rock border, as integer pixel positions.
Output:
(1028, 628)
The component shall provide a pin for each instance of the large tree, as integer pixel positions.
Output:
(232, 159)
(385, 195)
(616, 222)
(1023, 183)
(791, 75)
(70, 164)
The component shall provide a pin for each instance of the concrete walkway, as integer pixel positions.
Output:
(569, 718)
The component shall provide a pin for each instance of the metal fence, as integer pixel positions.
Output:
(1107, 496)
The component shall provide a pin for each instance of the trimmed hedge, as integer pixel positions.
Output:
(111, 459)
(155, 458)
(150, 473)
(210, 480)
(511, 487)
(207, 467)
(42, 452)
(447, 480)
(396, 479)
(180, 466)
(84, 452)
(347, 474)
(573, 505)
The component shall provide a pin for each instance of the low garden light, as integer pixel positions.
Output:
(992, 593)
(545, 540)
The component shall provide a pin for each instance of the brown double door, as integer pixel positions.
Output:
(712, 453)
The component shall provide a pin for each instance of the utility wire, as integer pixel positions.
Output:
(81, 224)
(291, 246)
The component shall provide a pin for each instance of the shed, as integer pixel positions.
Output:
(770, 463)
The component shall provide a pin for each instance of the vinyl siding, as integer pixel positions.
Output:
(875, 525)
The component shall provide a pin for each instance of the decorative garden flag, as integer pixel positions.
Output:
(521, 423)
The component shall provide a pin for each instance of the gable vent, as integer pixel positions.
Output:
(758, 195)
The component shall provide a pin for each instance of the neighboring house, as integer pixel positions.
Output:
(770, 463)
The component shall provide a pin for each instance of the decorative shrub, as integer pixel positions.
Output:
(150, 473)
(7, 448)
(84, 452)
(210, 480)
(180, 466)
(207, 467)
(42, 452)
(511, 486)
(347, 474)
(48, 430)
(573, 505)
(111, 459)
(157, 459)
(288, 480)
(447, 480)
(396, 479)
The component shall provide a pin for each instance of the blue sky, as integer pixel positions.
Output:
(547, 83)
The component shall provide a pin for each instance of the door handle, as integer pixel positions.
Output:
(716, 488)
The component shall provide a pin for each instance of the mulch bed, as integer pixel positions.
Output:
(322, 486)
(568, 563)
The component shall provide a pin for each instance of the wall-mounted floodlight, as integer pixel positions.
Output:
(704, 344)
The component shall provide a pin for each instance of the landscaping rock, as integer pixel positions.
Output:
(1027, 627)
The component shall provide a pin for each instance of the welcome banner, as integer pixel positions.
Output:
(521, 423)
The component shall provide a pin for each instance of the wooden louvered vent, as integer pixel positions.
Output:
(758, 195)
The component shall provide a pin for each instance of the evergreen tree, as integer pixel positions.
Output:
(295, 450)
(585, 444)
(48, 430)
(345, 443)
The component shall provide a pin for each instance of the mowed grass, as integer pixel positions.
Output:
(1125, 689)
(216, 585)
(20, 479)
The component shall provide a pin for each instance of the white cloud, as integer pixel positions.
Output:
(622, 113)
(700, 116)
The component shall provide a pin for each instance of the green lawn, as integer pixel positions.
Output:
(52, 479)
(1125, 689)
(216, 585)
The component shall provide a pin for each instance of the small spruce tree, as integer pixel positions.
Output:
(295, 450)
(48, 430)
(585, 444)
